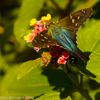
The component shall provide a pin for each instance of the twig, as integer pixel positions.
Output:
(56, 5)
(68, 6)
(67, 9)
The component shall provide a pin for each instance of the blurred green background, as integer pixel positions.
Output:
(14, 52)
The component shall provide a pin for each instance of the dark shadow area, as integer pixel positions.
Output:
(97, 96)
(6, 7)
(2, 72)
(93, 85)
(26, 55)
(60, 81)
(66, 81)
(96, 9)
(11, 48)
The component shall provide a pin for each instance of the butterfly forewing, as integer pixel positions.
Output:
(75, 20)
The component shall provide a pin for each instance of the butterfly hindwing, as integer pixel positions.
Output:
(43, 40)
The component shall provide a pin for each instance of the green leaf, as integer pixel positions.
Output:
(25, 68)
(3, 63)
(88, 40)
(62, 3)
(29, 9)
(30, 83)
(52, 96)
(89, 35)
(77, 96)
(93, 88)
(95, 95)
(31, 79)
(94, 65)
(81, 4)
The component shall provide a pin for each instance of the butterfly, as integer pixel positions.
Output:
(63, 32)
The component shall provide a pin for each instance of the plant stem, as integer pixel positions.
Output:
(56, 5)
(81, 80)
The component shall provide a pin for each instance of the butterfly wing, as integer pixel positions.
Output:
(65, 30)
(63, 37)
(71, 23)
(75, 20)
(43, 40)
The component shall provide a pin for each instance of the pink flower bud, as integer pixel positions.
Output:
(61, 60)
(37, 49)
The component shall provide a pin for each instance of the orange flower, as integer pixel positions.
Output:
(29, 37)
(46, 58)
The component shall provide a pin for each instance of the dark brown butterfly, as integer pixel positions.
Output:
(71, 23)
(63, 33)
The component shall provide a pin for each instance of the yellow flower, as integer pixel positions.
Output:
(33, 22)
(29, 37)
(46, 18)
(26, 37)
(46, 58)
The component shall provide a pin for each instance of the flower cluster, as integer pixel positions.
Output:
(56, 54)
(38, 27)
(46, 58)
